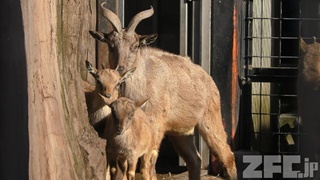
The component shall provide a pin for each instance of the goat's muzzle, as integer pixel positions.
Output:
(119, 130)
(107, 95)
(120, 69)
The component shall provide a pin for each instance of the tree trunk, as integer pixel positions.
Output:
(62, 143)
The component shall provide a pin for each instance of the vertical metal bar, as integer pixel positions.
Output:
(183, 41)
(279, 101)
(183, 28)
(205, 29)
(279, 132)
(121, 12)
(260, 83)
(204, 58)
(195, 32)
(280, 33)
(243, 35)
(243, 86)
(299, 119)
(248, 60)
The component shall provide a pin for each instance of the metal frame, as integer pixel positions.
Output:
(281, 75)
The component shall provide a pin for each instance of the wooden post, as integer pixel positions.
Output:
(62, 143)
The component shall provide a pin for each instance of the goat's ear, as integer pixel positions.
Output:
(98, 36)
(141, 103)
(303, 45)
(117, 68)
(126, 75)
(91, 69)
(147, 39)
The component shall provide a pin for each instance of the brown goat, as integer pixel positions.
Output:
(130, 134)
(182, 95)
(309, 98)
(107, 84)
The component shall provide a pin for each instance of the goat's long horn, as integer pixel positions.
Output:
(137, 18)
(112, 17)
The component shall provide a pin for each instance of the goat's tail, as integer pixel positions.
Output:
(213, 132)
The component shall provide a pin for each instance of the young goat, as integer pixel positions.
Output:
(130, 134)
(182, 95)
(107, 85)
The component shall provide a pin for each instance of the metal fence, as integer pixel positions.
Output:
(272, 29)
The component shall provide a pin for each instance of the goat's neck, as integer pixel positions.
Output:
(136, 85)
(97, 109)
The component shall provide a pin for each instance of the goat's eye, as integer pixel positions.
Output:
(135, 47)
(111, 48)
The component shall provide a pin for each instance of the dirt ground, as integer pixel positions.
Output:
(182, 176)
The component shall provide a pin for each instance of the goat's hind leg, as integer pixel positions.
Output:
(212, 131)
(153, 160)
(187, 150)
(148, 165)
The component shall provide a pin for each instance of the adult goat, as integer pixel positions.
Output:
(182, 95)
(309, 99)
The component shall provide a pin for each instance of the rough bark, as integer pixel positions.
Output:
(62, 143)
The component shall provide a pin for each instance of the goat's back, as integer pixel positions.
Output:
(178, 89)
(309, 67)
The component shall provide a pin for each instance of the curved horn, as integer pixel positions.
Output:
(139, 17)
(112, 17)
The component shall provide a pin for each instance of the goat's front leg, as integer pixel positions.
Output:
(132, 165)
(123, 166)
(113, 168)
(145, 166)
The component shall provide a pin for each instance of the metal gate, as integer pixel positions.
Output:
(270, 57)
